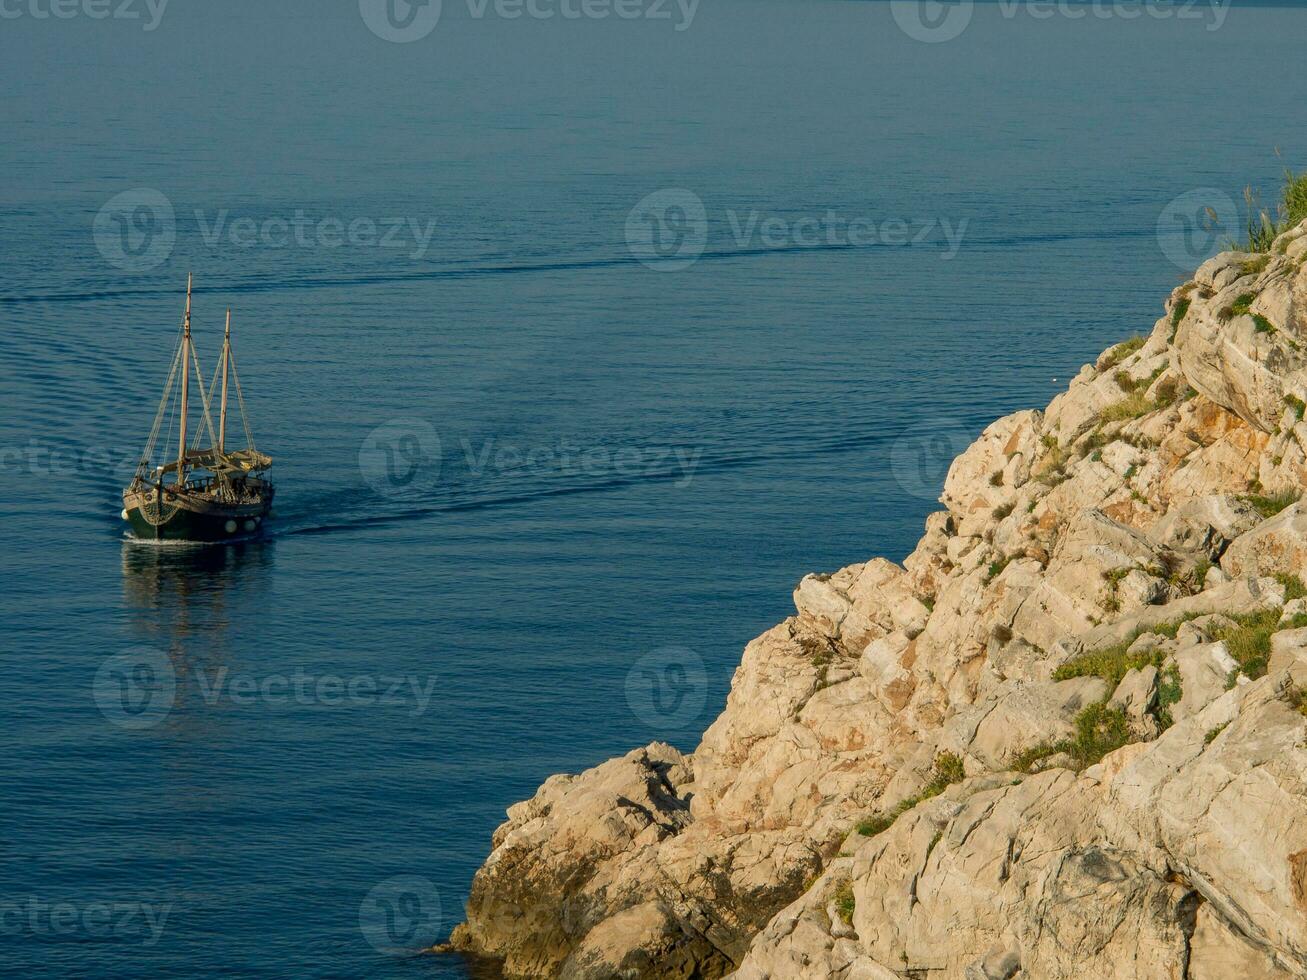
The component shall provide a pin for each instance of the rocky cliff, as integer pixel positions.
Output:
(1065, 738)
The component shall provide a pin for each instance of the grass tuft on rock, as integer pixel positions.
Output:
(844, 900)
(1136, 403)
(1121, 351)
(1167, 393)
(1297, 698)
(1099, 730)
(1254, 267)
(1293, 587)
(948, 770)
(1269, 506)
(1169, 692)
(1133, 406)
(881, 822)
(1026, 760)
(1178, 313)
(934, 841)
(1249, 642)
(1241, 306)
(1294, 199)
(1052, 470)
(1114, 662)
(1263, 228)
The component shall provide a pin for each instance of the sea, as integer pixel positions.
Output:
(579, 331)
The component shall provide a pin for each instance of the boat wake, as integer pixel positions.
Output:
(471, 493)
(180, 545)
(481, 269)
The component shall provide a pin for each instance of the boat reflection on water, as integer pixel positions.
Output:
(194, 610)
(194, 601)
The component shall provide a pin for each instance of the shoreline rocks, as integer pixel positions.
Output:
(1100, 636)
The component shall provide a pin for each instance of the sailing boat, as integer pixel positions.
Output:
(212, 494)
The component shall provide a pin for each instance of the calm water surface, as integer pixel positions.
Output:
(635, 463)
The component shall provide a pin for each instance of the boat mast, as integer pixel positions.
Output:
(186, 370)
(226, 356)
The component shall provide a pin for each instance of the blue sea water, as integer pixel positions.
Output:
(550, 456)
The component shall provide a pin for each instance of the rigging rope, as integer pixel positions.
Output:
(148, 452)
(204, 400)
(172, 415)
(240, 398)
(213, 384)
(170, 399)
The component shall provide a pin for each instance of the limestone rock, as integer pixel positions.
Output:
(1292, 609)
(1070, 532)
(1287, 646)
(1242, 596)
(1205, 525)
(886, 664)
(1203, 629)
(1166, 856)
(1136, 696)
(1228, 358)
(861, 603)
(823, 603)
(1205, 673)
(572, 825)
(1081, 583)
(1275, 545)
(970, 492)
(1218, 952)
(1145, 642)
(1018, 716)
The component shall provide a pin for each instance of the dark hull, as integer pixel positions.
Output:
(188, 526)
(207, 523)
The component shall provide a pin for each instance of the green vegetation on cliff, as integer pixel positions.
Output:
(1263, 227)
